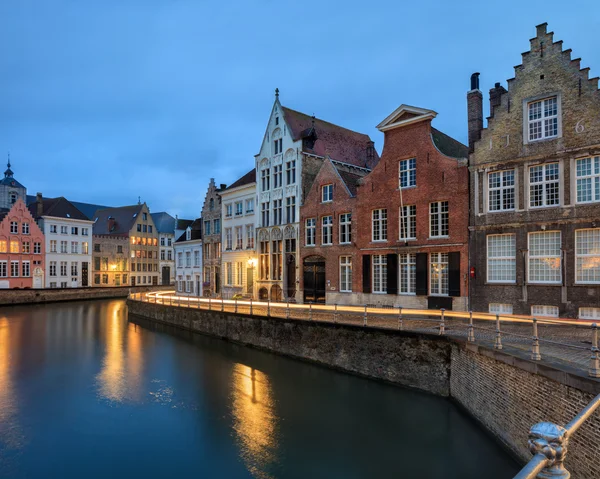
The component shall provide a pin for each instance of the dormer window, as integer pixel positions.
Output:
(542, 119)
(188, 234)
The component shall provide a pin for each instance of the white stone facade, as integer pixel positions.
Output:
(167, 257)
(188, 267)
(238, 260)
(68, 252)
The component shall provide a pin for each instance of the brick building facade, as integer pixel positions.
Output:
(327, 234)
(535, 183)
(211, 238)
(412, 218)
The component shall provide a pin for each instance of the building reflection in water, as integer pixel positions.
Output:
(255, 420)
(12, 435)
(121, 376)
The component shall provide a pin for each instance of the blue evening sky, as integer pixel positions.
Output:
(105, 101)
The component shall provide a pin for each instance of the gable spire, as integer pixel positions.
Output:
(8, 173)
(276, 93)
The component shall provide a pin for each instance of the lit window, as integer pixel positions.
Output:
(327, 230)
(14, 246)
(326, 193)
(408, 222)
(311, 225)
(501, 258)
(408, 173)
(345, 274)
(587, 256)
(380, 273)
(588, 179)
(408, 269)
(542, 310)
(438, 219)
(501, 190)
(379, 225)
(439, 273)
(543, 119)
(544, 257)
(345, 228)
(543, 185)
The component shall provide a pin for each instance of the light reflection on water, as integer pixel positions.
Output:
(254, 418)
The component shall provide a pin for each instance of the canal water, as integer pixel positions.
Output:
(85, 392)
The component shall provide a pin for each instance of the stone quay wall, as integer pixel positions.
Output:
(35, 296)
(504, 393)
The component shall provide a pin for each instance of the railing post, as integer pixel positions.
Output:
(268, 308)
(365, 316)
(222, 304)
(236, 305)
(335, 312)
(442, 324)
(498, 341)
(310, 311)
(595, 359)
(209, 303)
(170, 300)
(188, 301)
(471, 334)
(251, 306)
(400, 320)
(287, 309)
(535, 346)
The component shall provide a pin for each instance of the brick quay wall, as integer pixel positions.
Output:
(37, 296)
(504, 393)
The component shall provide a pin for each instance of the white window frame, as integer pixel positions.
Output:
(530, 257)
(407, 223)
(407, 274)
(379, 225)
(582, 256)
(345, 274)
(589, 313)
(228, 239)
(593, 178)
(327, 193)
(345, 228)
(379, 270)
(500, 308)
(530, 102)
(327, 230)
(407, 170)
(503, 259)
(503, 191)
(547, 311)
(545, 184)
(436, 280)
(439, 214)
(310, 232)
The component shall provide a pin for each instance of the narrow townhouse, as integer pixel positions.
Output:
(328, 235)
(211, 240)
(188, 260)
(412, 218)
(292, 151)
(125, 247)
(239, 245)
(535, 182)
(68, 237)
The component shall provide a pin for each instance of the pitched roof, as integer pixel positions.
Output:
(196, 230)
(248, 178)
(124, 216)
(10, 181)
(182, 224)
(58, 208)
(448, 145)
(3, 213)
(350, 179)
(332, 140)
(163, 222)
(88, 209)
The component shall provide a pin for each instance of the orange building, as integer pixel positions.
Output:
(21, 249)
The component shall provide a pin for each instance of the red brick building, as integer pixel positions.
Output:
(327, 234)
(412, 217)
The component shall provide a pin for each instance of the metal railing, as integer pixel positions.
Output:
(567, 342)
(548, 442)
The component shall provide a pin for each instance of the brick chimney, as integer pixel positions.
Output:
(474, 111)
(110, 223)
(39, 205)
(496, 97)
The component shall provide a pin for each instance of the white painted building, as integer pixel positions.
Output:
(291, 154)
(238, 259)
(188, 260)
(68, 237)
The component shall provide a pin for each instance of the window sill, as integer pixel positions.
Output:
(545, 206)
(407, 294)
(500, 283)
(500, 211)
(346, 244)
(400, 188)
(379, 241)
(438, 237)
(543, 284)
(327, 244)
(406, 240)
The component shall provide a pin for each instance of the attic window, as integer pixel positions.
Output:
(134, 215)
(68, 215)
(277, 120)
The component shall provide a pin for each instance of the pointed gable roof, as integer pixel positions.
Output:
(195, 229)
(405, 115)
(163, 222)
(57, 208)
(337, 142)
(247, 179)
(124, 216)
